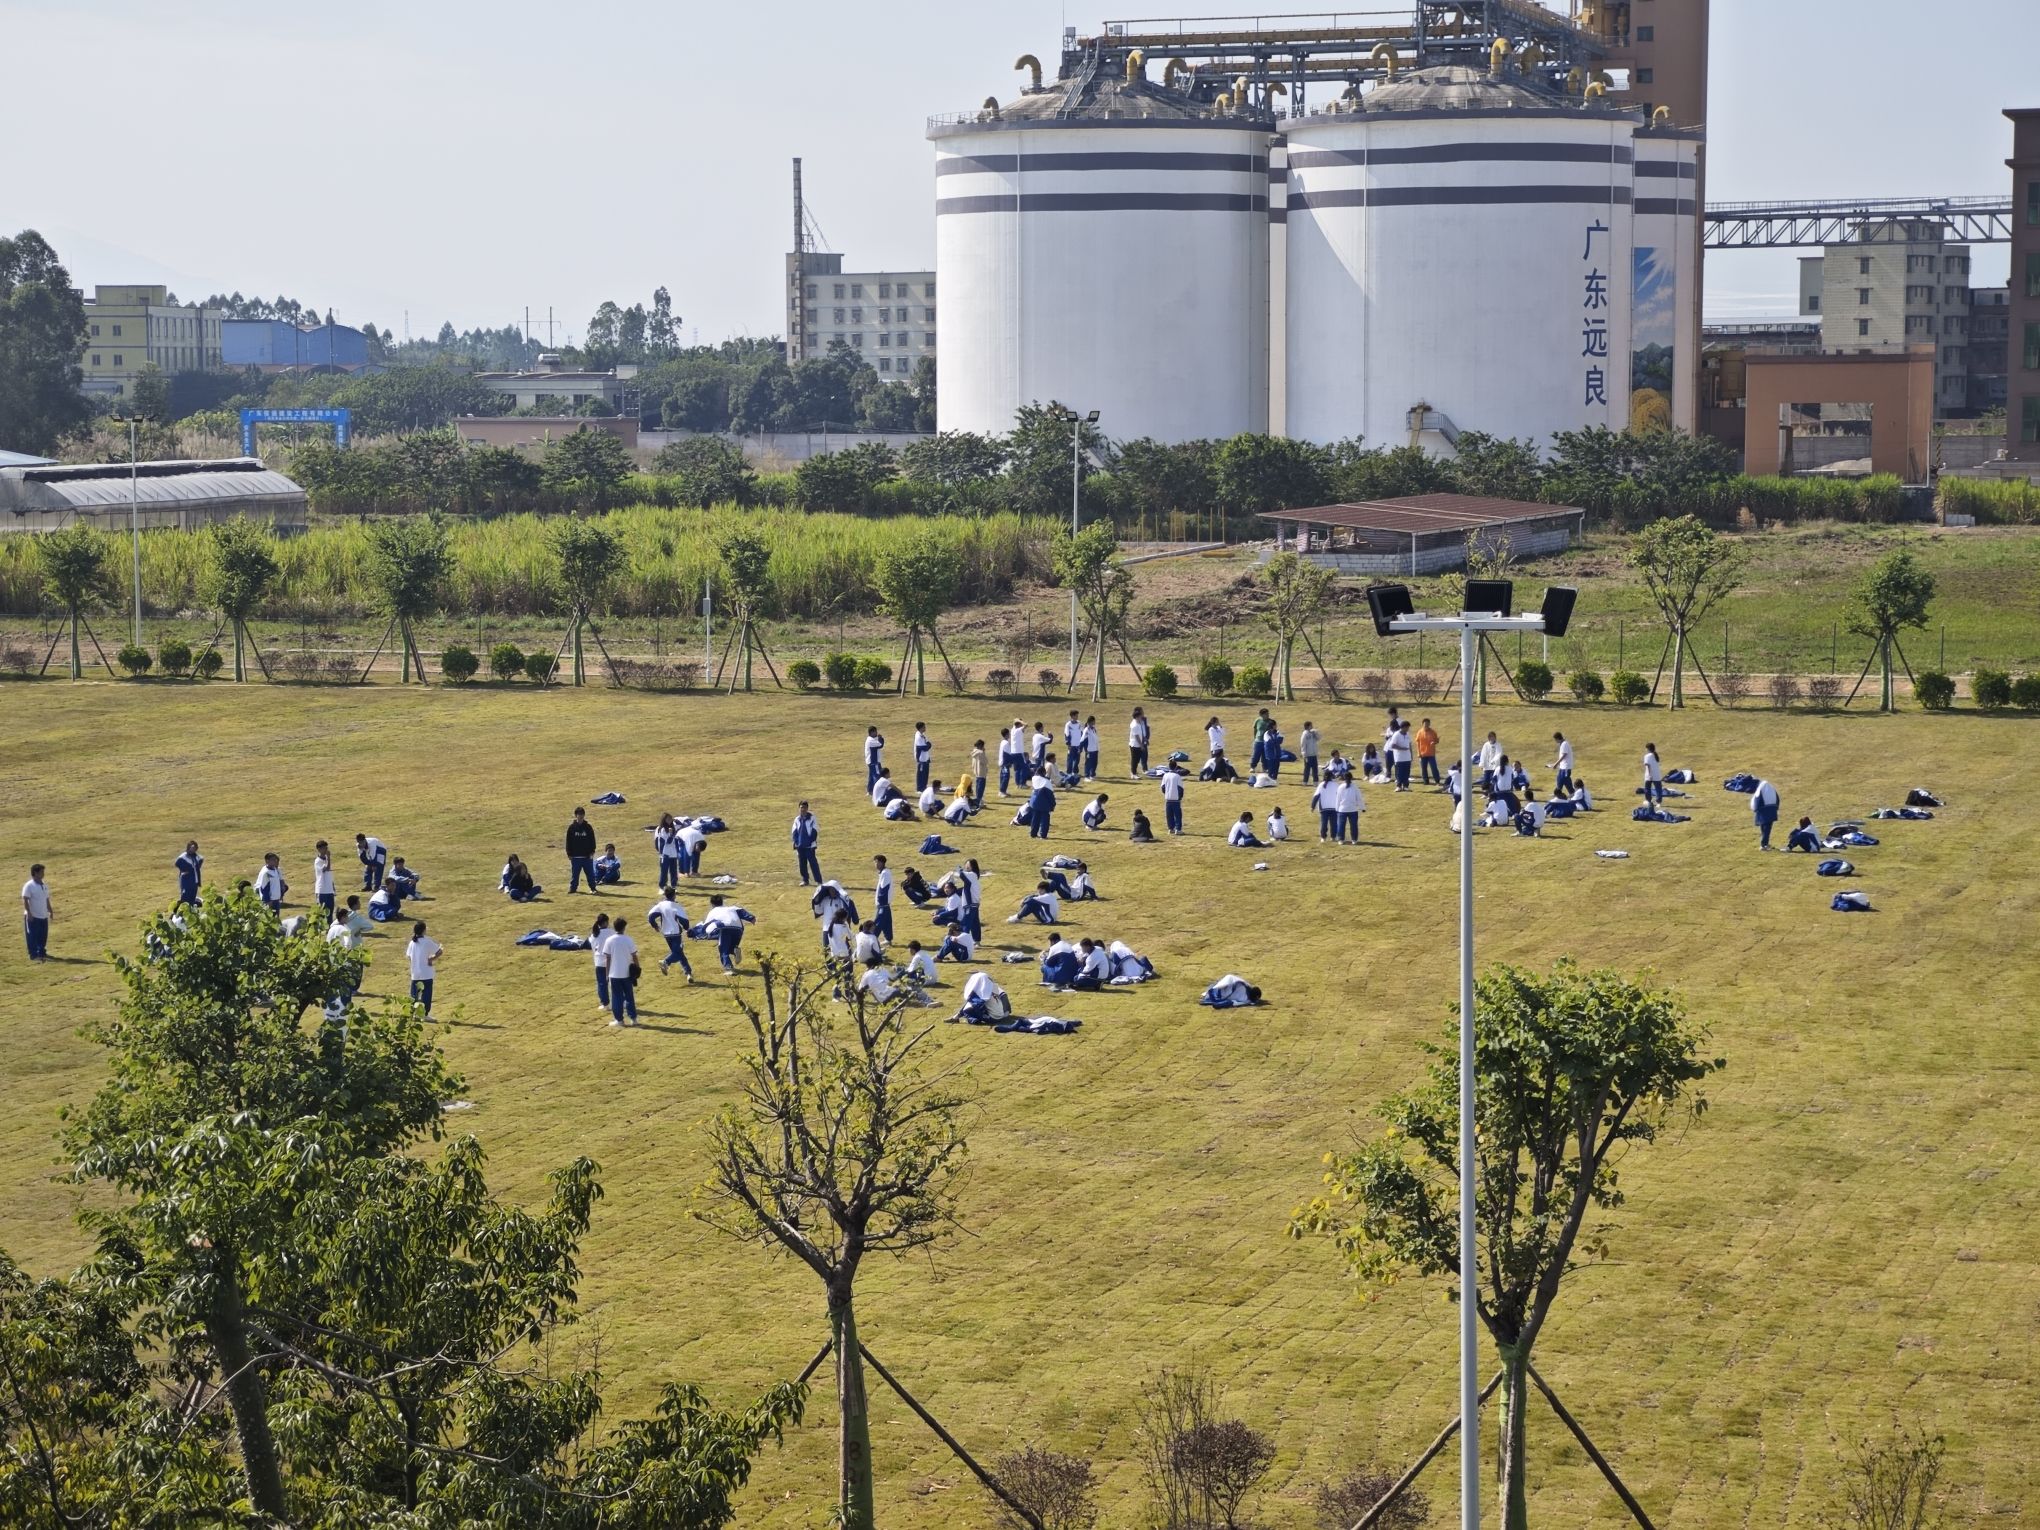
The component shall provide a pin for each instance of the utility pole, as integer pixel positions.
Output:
(796, 335)
(135, 517)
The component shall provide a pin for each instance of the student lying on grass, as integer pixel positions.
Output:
(1128, 965)
(1231, 992)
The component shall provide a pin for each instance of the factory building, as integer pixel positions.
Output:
(1103, 242)
(277, 345)
(1485, 240)
(130, 328)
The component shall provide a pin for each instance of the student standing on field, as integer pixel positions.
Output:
(1073, 741)
(666, 846)
(269, 883)
(1653, 776)
(1009, 758)
(1091, 748)
(874, 756)
(1172, 797)
(1561, 782)
(323, 888)
(1307, 748)
(581, 851)
(1764, 810)
(598, 942)
(924, 755)
(881, 892)
(36, 914)
(1214, 736)
(1426, 742)
(1258, 760)
(623, 974)
(806, 836)
(978, 764)
(423, 953)
(1037, 759)
(1399, 751)
(1137, 734)
(190, 872)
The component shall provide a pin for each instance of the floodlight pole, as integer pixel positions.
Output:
(135, 517)
(1470, 626)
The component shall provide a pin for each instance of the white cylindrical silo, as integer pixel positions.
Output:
(1104, 244)
(1664, 320)
(1459, 242)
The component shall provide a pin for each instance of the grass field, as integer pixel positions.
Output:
(1851, 1234)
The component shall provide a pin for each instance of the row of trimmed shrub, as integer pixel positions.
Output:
(173, 656)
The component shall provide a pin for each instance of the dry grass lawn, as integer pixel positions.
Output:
(1849, 1235)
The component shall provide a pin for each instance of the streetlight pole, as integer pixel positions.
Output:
(135, 516)
(1076, 478)
(1470, 626)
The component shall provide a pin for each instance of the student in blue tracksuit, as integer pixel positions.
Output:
(1764, 811)
(666, 845)
(1091, 748)
(1009, 759)
(726, 925)
(972, 876)
(1137, 735)
(874, 756)
(374, 856)
(1172, 797)
(881, 918)
(806, 835)
(1271, 750)
(190, 872)
(1806, 837)
(924, 752)
(1040, 808)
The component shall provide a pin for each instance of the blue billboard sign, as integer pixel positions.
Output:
(339, 419)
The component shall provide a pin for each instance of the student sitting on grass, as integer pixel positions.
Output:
(883, 791)
(403, 878)
(957, 946)
(1373, 769)
(875, 983)
(920, 967)
(1241, 835)
(608, 866)
(1042, 905)
(1218, 768)
(930, 801)
(961, 806)
(1059, 964)
(386, 904)
(1128, 965)
(915, 887)
(1094, 968)
(899, 810)
(984, 1002)
(1077, 890)
(1142, 832)
(517, 881)
(1530, 817)
(1278, 826)
(1805, 837)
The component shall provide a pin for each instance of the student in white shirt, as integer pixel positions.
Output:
(957, 946)
(1088, 741)
(1561, 784)
(374, 856)
(1307, 747)
(1038, 750)
(1214, 734)
(670, 920)
(882, 891)
(883, 791)
(875, 983)
(1172, 797)
(1094, 811)
(983, 1000)
(726, 924)
(1488, 758)
(1041, 905)
(1351, 806)
(423, 953)
(666, 846)
(1278, 826)
(920, 967)
(1454, 776)
(961, 806)
(930, 800)
(1094, 971)
(692, 841)
(36, 914)
(1530, 818)
(323, 888)
(924, 753)
(1137, 734)
(1400, 752)
(1241, 835)
(867, 947)
(874, 758)
(621, 954)
(1653, 776)
(270, 885)
(1073, 739)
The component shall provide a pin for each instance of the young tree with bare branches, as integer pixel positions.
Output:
(1687, 568)
(841, 1147)
(1298, 592)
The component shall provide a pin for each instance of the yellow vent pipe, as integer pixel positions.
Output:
(1661, 117)
(1170, 70)
(1575, 77)
(1386, 57)
(1223, 103)
(1032, 64)
(1595, 91)
(1604, 79)
(1135, 62)
(1498, 55)
(1532, 56)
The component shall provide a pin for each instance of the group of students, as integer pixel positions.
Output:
(615, 951)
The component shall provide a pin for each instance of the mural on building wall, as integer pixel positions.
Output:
(1653, 326)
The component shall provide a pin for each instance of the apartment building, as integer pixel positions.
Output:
(1900, 283)
(128, 328)
(1990, 330)
(2022, 379)
(887, 317)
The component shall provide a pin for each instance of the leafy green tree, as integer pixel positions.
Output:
(42, 342)
(1687, 569)
(1298, 593)
(1496, 467)
(1573, 1071)
(1253, 474)
(240, 567)
(917, 582)
(887, 407)
(841, 1148)
(1089, 566)
(695, 401)
(77, 574)
(412, 398)
(747, 580)
(1635, 475)
(924, 386)
(709, 471)
(1038, 458)
(149, 394)
(954, 458)
(1161, 478)
(590, 556)
(1891, 598)
(409, 558)
(497, 478)
(587, 466)
(1357, 472)
(844, 481)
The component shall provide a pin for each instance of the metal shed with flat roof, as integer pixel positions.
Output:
(1423, 533)
(184, 495)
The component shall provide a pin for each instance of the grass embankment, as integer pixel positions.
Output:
(1848, 1234)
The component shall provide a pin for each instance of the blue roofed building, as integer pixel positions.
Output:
(275, 345)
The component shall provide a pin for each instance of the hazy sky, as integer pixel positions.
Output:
(462, 160)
